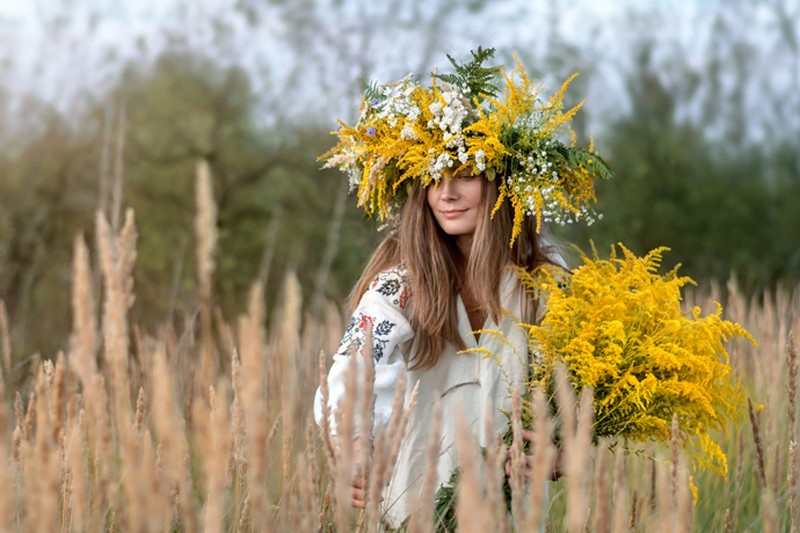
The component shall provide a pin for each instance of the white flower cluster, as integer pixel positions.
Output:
(538, 171)
(346, 161)
(354, 177)
(397, 104)
(438, 164)
(480, 160)
(546, 181)
(449, 118)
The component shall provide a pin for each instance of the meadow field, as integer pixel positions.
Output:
(206, 424)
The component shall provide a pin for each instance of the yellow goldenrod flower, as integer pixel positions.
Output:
(619, 328)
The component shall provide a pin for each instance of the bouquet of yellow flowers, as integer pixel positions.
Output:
(619, 328)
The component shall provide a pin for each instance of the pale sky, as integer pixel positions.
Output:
(56, 64)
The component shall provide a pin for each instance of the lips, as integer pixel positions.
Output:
(450, 213)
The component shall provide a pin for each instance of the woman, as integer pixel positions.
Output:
(460, 177)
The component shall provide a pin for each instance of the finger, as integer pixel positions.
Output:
(359, 498)
(557, 470)
(528, 435)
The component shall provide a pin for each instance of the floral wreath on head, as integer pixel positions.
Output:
(407, 131)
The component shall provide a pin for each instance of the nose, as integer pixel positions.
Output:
(449, 191)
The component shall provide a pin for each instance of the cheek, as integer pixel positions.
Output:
(476, 193)
(430, 196)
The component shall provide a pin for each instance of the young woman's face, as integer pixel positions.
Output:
(456, 205)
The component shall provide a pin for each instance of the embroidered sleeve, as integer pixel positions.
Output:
(381, 309)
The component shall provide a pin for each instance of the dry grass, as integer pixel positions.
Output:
(211, 429)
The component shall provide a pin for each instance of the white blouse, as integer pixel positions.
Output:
(471, 382)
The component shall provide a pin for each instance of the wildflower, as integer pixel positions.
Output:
(425, 130)
(619, 328)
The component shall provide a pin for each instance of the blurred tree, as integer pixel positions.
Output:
(721, 210)
(45, 200)
(687, 113)
(266, 181)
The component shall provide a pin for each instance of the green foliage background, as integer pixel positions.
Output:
(697, 181)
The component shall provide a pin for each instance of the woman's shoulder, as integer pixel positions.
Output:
(392, 285)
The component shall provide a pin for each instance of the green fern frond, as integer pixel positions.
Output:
(591, 161)
(472, 77)
(371, 90)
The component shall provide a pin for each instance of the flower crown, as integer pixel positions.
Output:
(407, 131)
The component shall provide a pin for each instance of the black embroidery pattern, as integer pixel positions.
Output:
(384, 328)
(356, 334)
(389, 287)
(392, 284)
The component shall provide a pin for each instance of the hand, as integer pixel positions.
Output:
(557, 461)
(558, 465)
(359, 489)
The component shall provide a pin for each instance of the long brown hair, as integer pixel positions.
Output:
(438, 271)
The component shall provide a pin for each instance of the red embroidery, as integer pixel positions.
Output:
(364, 321)
(401, 300)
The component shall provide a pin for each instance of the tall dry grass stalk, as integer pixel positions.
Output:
(117, 435)
(325, 429)
(422, 515)
(620, 522)
(237, 465)
(674, 448)
(518, 460)
(42, 461)
(205, 228)
(285, 348)
(5, 342)
(216, 452)
(252, 344)
(683, 499)
(470, 511)
(495, 472)
(117, 257)
(175, 476)
(759, 450)
(345, 459)
(544, 452)
(83, 345)
(7, 482)
(402, 408)
(791, 388)
(666, 518)
(77, 465)
(602, 500)
(576, 433)
(4, 410)
(366, 417)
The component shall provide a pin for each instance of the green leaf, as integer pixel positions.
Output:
(371, 90)
(472, 77)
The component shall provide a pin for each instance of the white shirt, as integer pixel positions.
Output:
(466, 381)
